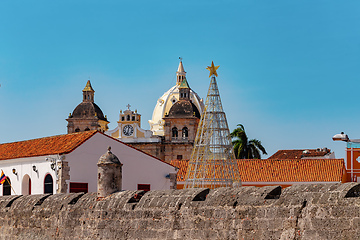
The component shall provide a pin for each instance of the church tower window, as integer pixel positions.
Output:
(128, 117)
(174, 132)
(185, 132)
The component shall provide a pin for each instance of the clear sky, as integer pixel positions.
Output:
(289, 70)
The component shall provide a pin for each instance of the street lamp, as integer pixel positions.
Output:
(341, 137)
(55, 164)
(345, 138)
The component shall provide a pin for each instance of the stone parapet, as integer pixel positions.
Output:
(321, 211)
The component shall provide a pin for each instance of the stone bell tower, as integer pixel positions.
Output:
(109, 174)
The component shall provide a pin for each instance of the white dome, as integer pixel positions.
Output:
(166, 101)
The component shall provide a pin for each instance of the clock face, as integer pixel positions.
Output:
(128, 130)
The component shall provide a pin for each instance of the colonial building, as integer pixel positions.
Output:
(68, 163)
(173, 126)
(87, 115)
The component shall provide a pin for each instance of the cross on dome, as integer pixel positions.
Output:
(128, 106)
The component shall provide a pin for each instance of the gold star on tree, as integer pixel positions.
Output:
(212, 69)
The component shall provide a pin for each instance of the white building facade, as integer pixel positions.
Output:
(68, 163)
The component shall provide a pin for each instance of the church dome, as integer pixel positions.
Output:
(183, 109)
(88, 110)
(168, 99)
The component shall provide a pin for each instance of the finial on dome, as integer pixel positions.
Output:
(181, 67)
(88, 87)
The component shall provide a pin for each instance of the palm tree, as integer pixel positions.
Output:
(244, 148)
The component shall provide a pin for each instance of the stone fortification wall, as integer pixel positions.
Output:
(328, 211)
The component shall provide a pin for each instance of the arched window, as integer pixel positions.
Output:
(185, 132)
(7, 187)
(48, 184)
(26, 185)
(87, 129)
(174, 132)
(77, 130)
(128, 117)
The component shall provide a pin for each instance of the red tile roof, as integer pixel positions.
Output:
(289, 170)
(60, 144)
(299, 153)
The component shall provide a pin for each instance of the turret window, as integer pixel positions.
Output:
(128, 117)
(185, 132)
(174, 132)
(133, 118)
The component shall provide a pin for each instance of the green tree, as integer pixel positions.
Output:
(244, 148)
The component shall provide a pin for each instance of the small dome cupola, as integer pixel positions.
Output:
(109, 158)
(87, 115)
(88, 93)
(180, 74)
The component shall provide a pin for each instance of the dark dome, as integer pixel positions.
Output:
(183, 108)
(88, 110)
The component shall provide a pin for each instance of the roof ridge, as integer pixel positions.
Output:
(58, 144)
(92, 131)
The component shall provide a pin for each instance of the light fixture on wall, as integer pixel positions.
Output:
(53, 166)
(14, 171)
(35, 169)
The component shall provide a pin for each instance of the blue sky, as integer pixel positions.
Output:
(289, 70)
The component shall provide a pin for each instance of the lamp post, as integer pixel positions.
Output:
(345, 138)
(55, 164)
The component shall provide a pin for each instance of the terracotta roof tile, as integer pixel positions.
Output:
(275, 170)
(44, 146)
(298, 153)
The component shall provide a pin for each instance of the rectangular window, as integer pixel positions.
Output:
(145, 187)
(76, 187)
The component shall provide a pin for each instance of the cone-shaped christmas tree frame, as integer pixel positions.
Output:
(212, 163)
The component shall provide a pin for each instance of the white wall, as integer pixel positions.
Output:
(138, 167)
(24, 166)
